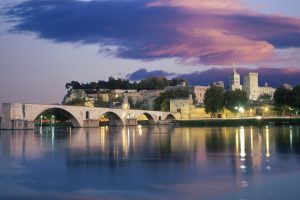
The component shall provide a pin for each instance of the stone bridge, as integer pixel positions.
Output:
(22, 116)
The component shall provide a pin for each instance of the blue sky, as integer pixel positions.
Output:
(47, 43)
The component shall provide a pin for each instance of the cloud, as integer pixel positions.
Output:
(273, 76)
(231, 5)
(143, 74)
(201, 32)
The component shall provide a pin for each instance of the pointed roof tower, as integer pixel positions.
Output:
(234, 67)
(234, 79)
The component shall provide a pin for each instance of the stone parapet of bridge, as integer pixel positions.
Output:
(22, 116)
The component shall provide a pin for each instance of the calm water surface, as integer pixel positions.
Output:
(151, 163)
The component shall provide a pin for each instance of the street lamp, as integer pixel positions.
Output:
(240, 109)
(266, 109)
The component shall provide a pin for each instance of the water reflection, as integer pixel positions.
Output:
(193, 144)
(160, 161)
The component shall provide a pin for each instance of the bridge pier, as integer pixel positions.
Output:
(115, 122)
(17, 124)
(131, 122)
(90, 123)
(24, 116)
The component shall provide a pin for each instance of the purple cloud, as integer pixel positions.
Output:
(143, 74)
(273, 76)
(207, 33)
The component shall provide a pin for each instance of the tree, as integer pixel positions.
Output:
(165, 105)
(234, 99)
(213, 100)
(296, 97)
(130, 101)
(283, 99)
(78, 101)
(176, 81)
(99, 102)
(151, 83)
(265, 97)
(162, 102)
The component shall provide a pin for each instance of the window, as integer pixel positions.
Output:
(87, 115)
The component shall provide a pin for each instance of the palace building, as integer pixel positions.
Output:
(250, 85)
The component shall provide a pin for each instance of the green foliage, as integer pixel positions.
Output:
(286, 100)
(99, 102)
(138, 105)
(233, 99)
(152, 83)
(130, 101)
(162, 102)
(79, 101)
(283, 99)
(265, 97)
(213, 100)
(296, 97)
(165, 105)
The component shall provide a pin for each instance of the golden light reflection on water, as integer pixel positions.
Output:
(242, 152)
(242, 143)
(248, 144)
(267, 143)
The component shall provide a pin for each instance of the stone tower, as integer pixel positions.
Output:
(234, 80)
(250, 85)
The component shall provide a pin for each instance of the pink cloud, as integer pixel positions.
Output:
(202, 4)
(210, 39)
(209, 32)
(213, 46)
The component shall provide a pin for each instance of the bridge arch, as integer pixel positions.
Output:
(146, 118)
(111, 118)
(170, 117)
(59, 114)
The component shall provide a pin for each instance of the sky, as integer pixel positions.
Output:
(46, 43)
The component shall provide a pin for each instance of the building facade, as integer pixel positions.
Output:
(250, 85)
(199, 92)
(252, 88)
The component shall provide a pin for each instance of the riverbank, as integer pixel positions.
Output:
(239, 121)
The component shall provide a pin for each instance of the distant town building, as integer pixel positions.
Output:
(148, 97)
(218, 84)
(234, 80)
(182, 85)
(287, 86)
(266, 90)
(145, 98)
(199, 92)
(250, 85)
(182, 106)
(252, 89)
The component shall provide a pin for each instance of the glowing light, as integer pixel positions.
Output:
(140, 129)
(267, 143)
(291, 138)
(258, 117)
(242, 142)
(251, 132)
(52, 136)
(236, 141)
(241, 109)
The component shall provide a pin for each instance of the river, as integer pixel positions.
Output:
(159, 163)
